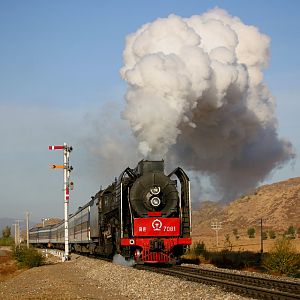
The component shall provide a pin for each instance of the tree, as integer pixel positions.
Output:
(264, 235)
(227, 243)
(6, 232)
(290, 233)
(251, 232)
(272, 234)
(200, 248)
(236, 233)
(298, 232)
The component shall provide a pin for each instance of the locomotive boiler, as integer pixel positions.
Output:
(144, 214)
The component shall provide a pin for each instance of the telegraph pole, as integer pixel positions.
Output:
(261, 236)
(27, 228)
(15, 225)
(217, 226)
(18, 232)
(67, 169)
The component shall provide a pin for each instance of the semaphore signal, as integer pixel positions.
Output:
(67, 186)
(56, 147)
(56, 166)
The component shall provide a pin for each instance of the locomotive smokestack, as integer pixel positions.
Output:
(146, 166)
(196, 96)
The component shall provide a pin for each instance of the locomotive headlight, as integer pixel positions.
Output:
(155, 201)
(155, 190)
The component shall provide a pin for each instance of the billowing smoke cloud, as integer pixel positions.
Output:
(110, 144)
(196, 96)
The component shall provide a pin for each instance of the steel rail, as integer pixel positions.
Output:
(282, 285)
(259, 288)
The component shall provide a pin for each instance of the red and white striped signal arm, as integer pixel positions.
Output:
(67, 194)
(56, 147)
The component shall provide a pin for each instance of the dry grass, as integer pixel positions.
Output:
(8, 267)
(243, 244)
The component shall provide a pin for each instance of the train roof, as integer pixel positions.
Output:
(46, 227)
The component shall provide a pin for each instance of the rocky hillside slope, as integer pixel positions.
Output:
(278, 205)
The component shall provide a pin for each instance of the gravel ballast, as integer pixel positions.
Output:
(89, 278)
(139, 284)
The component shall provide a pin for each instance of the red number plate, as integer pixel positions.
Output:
(156, 227)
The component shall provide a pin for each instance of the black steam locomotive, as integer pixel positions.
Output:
(144, 214)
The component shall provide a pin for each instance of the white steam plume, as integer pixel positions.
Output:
(196, 95)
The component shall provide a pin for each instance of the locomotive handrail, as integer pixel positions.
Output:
(185, 191)
(119, 192)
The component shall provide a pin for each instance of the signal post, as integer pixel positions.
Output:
(67, 169)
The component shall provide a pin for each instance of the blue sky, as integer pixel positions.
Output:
(60, 61)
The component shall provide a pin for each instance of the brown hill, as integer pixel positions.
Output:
(278, 205)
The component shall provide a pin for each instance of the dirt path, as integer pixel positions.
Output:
(56, 281)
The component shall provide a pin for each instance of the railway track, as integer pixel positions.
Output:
(255, 287)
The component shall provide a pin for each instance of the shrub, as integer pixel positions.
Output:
(6, 241)
(283, 258)
(272, 234)
(196, 254)
(290, 233)
(236, 233)
(264, 235)
(234, 260)
(227, 244)
(200, 249)
(28, 257)
(251, 232)
(6, 232)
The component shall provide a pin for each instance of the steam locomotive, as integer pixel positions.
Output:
(144, 214)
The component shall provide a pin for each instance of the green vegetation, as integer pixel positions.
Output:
(290, 233)
(6, 239)
(227, 243)
(28, 257)
(199, 249)
(234, 260)
(196, 254)
(272, 234)
(199, 252)
(283, 258)
(264, 235)
(251, 232)
(224, 259)
(6, 232)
